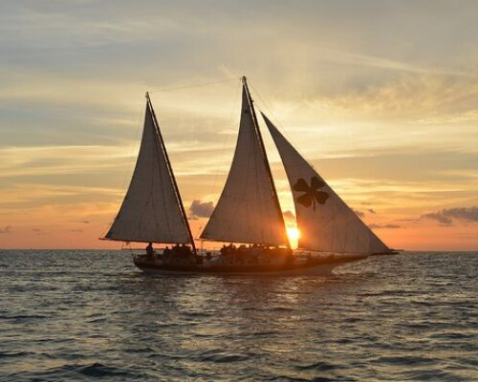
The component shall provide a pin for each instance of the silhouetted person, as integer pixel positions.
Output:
(183, 252)
(166, 251)
(150, 250)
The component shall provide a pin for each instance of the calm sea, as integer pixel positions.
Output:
(80, 316)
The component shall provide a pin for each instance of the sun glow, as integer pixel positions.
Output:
(294, 234)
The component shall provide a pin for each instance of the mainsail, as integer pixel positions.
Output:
(248, 210)
(326, 223)
(152, 210)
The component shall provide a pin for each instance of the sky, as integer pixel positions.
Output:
(380, 96)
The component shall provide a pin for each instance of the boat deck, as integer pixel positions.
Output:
(217, 265)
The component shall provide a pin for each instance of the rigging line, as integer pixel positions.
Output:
(273, 116)
(269, 109)
(194, 85)
(277, 122)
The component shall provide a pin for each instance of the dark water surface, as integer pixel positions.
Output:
(79, 316)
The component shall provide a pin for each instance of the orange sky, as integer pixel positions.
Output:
(381, 97)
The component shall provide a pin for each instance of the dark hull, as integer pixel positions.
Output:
(391, 253)
(319, 266)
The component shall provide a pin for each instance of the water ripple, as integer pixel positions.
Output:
(87, 315)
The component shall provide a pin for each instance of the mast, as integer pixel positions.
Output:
(264, 155)
(171, 173)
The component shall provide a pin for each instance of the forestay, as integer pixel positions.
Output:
(248, 210)
(151, 210)
(325, 222)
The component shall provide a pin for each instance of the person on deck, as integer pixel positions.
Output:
(166, 254)
(183, 252)
(150, 250)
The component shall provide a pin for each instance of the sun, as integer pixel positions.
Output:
(294, 234)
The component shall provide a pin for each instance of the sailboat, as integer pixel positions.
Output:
(248, 212)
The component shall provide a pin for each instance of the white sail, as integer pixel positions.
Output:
(248, 210)
(151, 210)
(325, 222)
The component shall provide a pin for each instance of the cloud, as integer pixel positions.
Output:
(32, 194)
(384, 63)
(384, 226)
(467, 116)
(200, 209)
(6, 230)
(371, 210)
(448, 216)
(439, 217)
(37, 161)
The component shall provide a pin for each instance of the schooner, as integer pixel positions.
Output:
(248, 211)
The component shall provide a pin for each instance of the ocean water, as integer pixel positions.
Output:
(81, 316)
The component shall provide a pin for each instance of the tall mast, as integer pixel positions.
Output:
(264, 154)
(170, 171)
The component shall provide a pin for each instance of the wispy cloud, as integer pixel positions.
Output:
(384, 226)
(456, 214)
(405, 96)
(386, 63)
(45, 160)
(451, 118)
(24, 195)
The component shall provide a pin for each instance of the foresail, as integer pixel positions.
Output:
(248, 210)
(151, 210)
(325, 222)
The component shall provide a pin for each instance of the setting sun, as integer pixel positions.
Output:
(294, 234)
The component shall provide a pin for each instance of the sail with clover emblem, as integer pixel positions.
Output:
(248, 210)
(325, 221)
